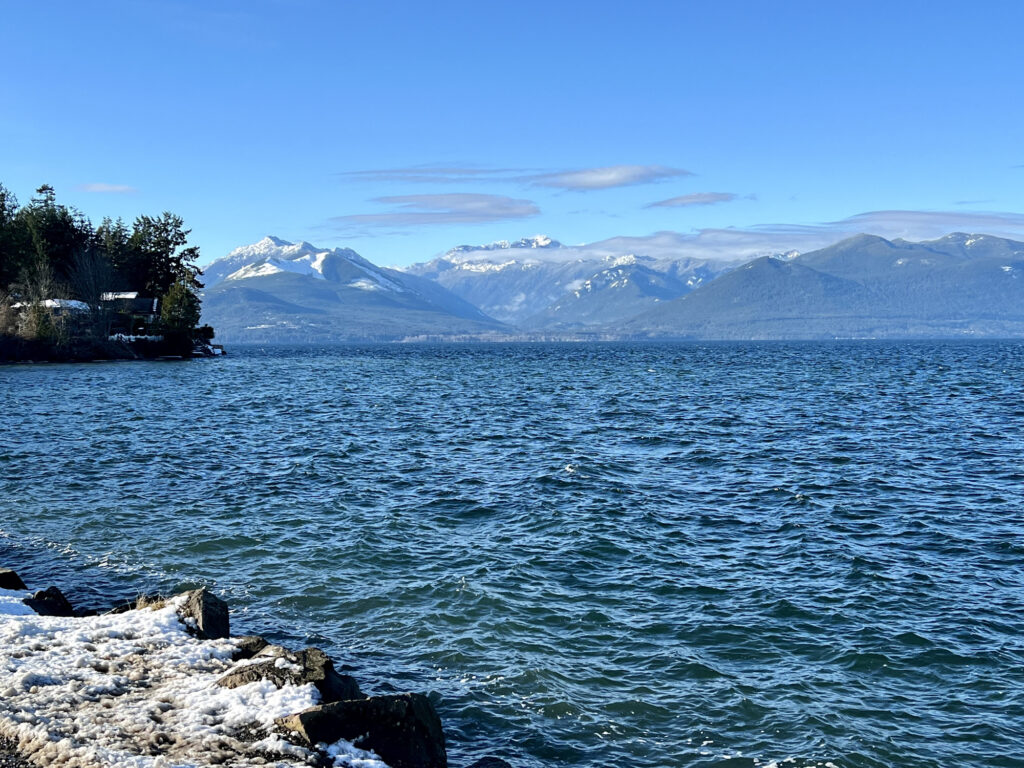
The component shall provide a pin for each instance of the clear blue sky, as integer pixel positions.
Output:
(403, 128)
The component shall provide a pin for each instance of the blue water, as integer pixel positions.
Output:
(591, 555)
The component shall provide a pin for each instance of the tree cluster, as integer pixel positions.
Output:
(51, 252)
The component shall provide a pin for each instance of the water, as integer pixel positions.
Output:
(591, 555)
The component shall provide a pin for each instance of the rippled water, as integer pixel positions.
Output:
(594, 555)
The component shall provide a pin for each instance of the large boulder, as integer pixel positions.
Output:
(403, 730)
(280, 666)
(11, 580)
(50, 602)
(205, 614)
(490, 762)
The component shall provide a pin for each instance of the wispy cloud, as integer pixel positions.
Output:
(424, 210)
(920, 225)
(744, 243)
(607, 177)
(116, 189)
(696, 198)
(577, 180)
(437, 174)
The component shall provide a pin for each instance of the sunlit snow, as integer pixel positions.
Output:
(135, 689)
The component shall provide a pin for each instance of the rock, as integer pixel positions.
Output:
(298, 668)
(205, 614)
(403, 730)
(248, 646)
(490, 762)
(10, 757)
(11, 580)
(50, 602)
(142, 601)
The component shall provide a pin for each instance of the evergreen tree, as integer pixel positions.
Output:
(179, 308)
(160, 255)
(56, 234)
(11, 257)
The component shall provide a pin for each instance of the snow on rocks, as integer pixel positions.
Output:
(281, 666)
(403, 729)
(130, 689)
(139, 688)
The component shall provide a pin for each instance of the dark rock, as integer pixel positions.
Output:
(205, 614)
(50, 602)
(11, 580)
(490, 762)
(248, 646)
(10, 757)
(403, 730)
(283, 666)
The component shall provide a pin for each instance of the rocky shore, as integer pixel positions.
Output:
(160, 681)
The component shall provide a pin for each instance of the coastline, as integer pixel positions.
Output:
(155, 680)
(15, 351)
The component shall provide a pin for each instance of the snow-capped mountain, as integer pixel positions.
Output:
(277, 291)
(541, 284)
(525, 243)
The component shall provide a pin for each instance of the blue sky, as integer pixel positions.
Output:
(401, 129)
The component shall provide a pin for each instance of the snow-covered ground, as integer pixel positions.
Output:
(135, 689)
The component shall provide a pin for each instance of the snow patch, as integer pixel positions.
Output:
(11, 603)
(622, 261)
(310, 265)
(484, 266)
(72, 304)
(133, 689)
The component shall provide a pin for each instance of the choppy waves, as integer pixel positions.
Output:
(642, 555)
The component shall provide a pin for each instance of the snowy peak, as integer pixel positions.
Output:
(271, 247)
(274, 256)
(537, 241)
(458, 253)
(311, 264)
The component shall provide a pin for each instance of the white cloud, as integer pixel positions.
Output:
(436, 174)
(117, 189)
(586, 179)
(454, 208)
(696, 198)
(578, 180)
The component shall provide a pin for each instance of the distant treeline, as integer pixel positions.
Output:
(64, 285)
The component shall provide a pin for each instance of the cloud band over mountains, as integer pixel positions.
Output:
(743, 243)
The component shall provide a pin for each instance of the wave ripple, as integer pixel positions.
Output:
(646, 555)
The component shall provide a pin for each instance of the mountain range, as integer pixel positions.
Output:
(538, 284)
(861, 287)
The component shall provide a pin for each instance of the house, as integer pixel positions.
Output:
(132, 313)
